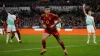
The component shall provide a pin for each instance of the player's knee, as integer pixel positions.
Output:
(43, 38)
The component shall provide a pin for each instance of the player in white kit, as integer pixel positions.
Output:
(90, 25)
(10, 25)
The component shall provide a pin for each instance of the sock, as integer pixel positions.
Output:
(94, 37)
(16, 36)
(7, 38)
(88, 37)
(62, 44)
(44, 44)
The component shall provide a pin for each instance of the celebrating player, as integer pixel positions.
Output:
(90, 25)
(10, 25)
(48, 21)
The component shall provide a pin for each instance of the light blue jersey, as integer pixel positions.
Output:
(58, 25)
(11, 19)
(89, 20)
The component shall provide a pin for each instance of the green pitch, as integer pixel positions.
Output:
(31, 46)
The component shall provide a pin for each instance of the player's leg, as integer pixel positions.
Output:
(16, 35)
(57, 36)
(45, 35)
(12, 35)
(89, 34)
(8, 34)
(3, 31)
(93, 33)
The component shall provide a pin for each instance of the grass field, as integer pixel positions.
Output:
(31, 46)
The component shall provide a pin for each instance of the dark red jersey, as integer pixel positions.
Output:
(49, 19)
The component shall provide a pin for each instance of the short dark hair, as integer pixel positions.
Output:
(47, 7)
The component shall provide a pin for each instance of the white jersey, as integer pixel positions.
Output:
(10, 22)
(89, 22)
(11, 19)
(58, 25)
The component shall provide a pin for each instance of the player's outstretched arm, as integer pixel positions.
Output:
(3, 6)
(84, 9)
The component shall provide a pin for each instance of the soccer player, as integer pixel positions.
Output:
(10, 25)
(4, 27)
(90, 25)
(48, 21)
(17, 21)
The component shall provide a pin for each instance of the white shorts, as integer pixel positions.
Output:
(11, 28)
(90, 29)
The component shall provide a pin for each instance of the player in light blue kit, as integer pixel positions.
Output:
(90, 25)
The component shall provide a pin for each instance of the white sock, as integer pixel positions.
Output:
(94, 37)
(88, 38)
(7, 38)
(16, 35)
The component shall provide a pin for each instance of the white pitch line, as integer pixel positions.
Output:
(47, 47)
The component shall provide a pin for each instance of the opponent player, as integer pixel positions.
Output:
(4, 27)
(10, 25)
(17, 21)
(90, 25)
(48, 21)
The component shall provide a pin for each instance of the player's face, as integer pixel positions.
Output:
(47, 10)
(89, 13)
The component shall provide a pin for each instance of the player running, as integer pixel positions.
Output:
(90, 25)
(48, 21)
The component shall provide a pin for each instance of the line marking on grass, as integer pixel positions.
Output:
(47, 48)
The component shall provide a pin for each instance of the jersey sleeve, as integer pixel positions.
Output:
(55, 17)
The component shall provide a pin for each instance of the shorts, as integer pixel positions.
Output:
(90, 29)
(54, 32)
(11, 28)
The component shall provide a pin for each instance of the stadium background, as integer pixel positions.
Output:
(73, 31)
(70, 11)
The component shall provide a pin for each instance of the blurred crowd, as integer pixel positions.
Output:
(68, 20)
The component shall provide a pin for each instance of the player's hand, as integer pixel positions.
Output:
(84, 5)
(44, 26)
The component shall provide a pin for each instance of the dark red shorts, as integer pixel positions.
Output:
(54, 32)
